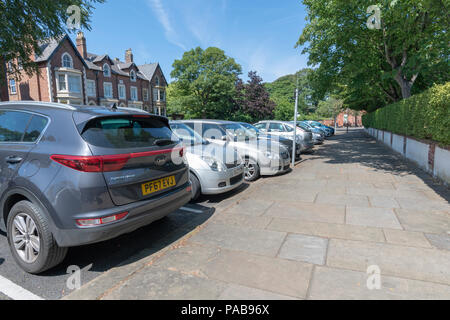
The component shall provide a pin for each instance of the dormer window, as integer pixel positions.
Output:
(133, 75)
(67, 61)
(106, 70)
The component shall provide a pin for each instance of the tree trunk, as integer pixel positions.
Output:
(405, 86)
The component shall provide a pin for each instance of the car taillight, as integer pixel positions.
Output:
(101, 221)
(93, 163)
(106, 163)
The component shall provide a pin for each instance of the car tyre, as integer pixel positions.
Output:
(252, 171)
(196, 187)
(31, 242)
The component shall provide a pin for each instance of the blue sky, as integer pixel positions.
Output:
(259, 34)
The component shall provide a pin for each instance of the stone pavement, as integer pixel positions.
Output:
(309, 234)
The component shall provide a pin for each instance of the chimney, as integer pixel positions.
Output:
(128, 56)
(81, 44)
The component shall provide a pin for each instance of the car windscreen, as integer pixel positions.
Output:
(128, 132)
(188, 136)
(238, 132)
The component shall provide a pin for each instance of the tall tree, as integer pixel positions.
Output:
(377, 52)
(205, 82)
(253, 99)
(282, 92)
(25, 23)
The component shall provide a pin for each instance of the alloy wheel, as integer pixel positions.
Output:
(26, 238)
(250, 170)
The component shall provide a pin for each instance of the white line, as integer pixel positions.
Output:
(16, 292)
(191, 210)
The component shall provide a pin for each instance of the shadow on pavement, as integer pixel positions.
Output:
(216, 198)
(136, 245)
(357, 146)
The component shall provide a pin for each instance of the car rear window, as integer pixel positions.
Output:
(127, 132)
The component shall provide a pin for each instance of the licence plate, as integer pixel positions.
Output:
(157, 185)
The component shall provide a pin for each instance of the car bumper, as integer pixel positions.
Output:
(276, 167)
(140, 214)
(213, 182)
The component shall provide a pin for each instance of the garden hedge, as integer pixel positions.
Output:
(423, 116)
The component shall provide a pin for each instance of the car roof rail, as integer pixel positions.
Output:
(39, 103)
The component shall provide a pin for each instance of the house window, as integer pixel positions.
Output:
(107, 89)
(162, 96)
(133, 75)
(145, 94)
(134, 94)
(106, 70)
(122, 92)
(157, 81)
(62, 82)
(90, 88)
(67, 61)
(155, 95)
(12, 86)
(74, 84)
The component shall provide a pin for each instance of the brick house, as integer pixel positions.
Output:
(68, 73)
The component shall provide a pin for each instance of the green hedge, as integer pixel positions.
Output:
(424, 116)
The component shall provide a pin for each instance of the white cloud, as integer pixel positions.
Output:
(163, 18)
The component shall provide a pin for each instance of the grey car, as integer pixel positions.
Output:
(286, 129)
(261, 157)
(75, 175)
(210, 170)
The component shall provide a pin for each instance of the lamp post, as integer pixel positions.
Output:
(294, 152)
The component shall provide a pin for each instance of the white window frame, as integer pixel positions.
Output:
(93, 86)
(145, 94)
(131, 94)
(107, 68)
(133, 75)
(104, 91)
(124, 97)
(13, 86)
(65, 54)
(66, 81)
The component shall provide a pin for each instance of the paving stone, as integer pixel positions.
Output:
(264, 242)
(237, 292)
(344, 200)
(242, 220)
(161, 284)
(332, 284)
(440, 241)
(406, 238)
(405, 262)
(327, 230)
(421, 220)
(383, 202)
(372, 217)
(280, 276)
(252, 206)
(308, 212)
(278, 192)
(423, 204)
(304, 248)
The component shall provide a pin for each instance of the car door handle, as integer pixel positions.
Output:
(13, 159)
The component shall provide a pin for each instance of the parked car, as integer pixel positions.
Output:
(318, 133)
(210, 172)
(287, 142)
(261, 157)
(329, 130)
(74, 175)
(286, 129)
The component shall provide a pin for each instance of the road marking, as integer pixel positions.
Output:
(16, 292)
(191, 210)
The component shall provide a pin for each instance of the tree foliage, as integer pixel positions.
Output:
(403, 53)
(253, 100)
(282, 92)
(204, 84)
(25, 23)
